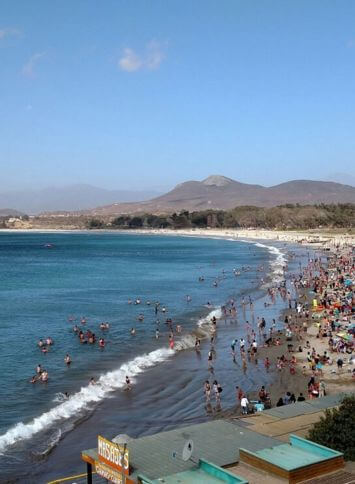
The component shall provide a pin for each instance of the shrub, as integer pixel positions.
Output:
(336, 429)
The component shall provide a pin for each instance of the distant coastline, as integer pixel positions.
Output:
(322, 238)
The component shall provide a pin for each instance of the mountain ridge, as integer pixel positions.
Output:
(221, 193)
(68, 198)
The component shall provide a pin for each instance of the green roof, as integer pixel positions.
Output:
(295, 455)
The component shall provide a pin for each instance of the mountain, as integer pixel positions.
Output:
(68, 198)
(9, 212)
(219, 192)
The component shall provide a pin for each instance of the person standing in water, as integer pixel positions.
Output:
(210, 358)
(67, 360)
(207, 391)
(128, 383)
(217, 389)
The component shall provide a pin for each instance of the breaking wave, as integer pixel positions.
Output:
(278, 264)
(109, 382)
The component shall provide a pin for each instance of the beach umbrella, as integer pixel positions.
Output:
(345, 336)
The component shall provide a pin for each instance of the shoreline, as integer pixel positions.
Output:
(318, 238)
(172, 365)
(273, 385)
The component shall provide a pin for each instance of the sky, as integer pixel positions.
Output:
(146, 94)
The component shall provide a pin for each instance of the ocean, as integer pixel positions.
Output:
(51, 281)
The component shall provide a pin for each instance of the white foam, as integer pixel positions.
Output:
(109, 382)
(278, 264)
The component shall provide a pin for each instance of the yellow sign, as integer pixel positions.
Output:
(114, 455)
(108, 473)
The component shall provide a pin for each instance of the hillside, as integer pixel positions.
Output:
(9, 212)
(67, 198)
(221, 193)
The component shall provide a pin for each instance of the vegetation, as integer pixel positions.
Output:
(284, 217)
(337, 428)
(95, 223)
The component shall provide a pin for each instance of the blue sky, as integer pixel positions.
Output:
(141, 94)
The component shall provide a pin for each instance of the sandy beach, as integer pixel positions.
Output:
(324, 239)
(313, 238)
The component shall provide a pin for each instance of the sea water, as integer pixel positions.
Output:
(50, 281)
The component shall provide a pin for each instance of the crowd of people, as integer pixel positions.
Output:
(319, 297)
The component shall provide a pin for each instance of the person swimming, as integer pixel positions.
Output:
(44, 376)
(102, 343)
(67, 360)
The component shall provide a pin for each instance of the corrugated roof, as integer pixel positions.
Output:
(217, 441)
(291, 410)
(328, 401)
(307, 407)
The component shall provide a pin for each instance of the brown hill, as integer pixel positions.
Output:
(219, 192)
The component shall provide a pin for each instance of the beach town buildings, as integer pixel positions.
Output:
(267, 448)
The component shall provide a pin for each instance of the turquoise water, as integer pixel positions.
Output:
(94, 275)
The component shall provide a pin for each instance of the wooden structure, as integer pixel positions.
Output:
(297, 461)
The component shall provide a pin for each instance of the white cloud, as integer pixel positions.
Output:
(130, 61)
(151, 59)
(8, 32)
(155, 55)
(28, 69)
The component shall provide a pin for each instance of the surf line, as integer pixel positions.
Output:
(109, 382)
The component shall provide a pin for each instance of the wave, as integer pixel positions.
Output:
(203, 330)
(278, 264)
(76, 404)
(107, 383)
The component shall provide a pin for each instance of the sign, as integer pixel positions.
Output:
(108, 473)
(114, 455)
